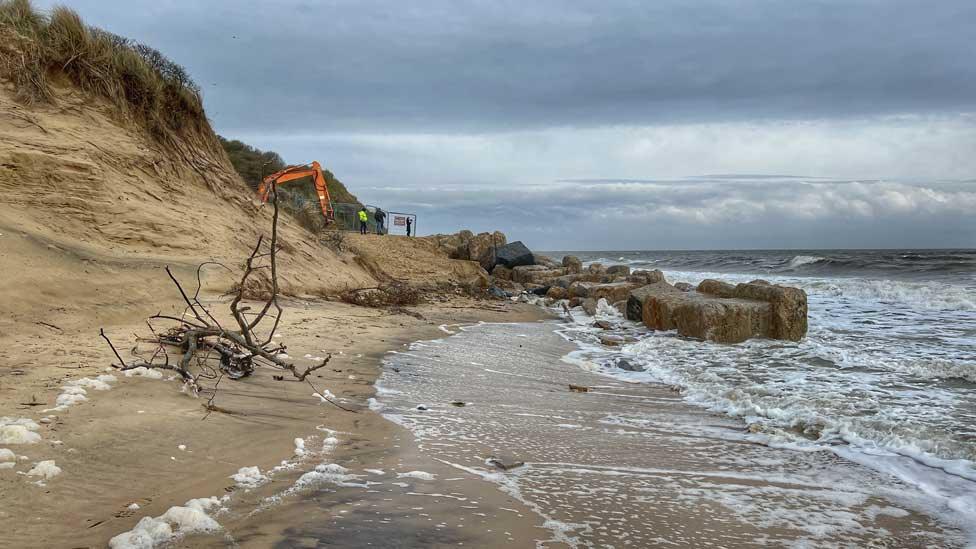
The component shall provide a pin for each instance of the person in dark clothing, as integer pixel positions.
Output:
(363, 220)
(380, 217)
(409, 225)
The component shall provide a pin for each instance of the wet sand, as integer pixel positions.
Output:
(632, 465)
(145, 443)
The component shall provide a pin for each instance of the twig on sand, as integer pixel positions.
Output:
(209, 350)
(569, 315)
(210, 405)
(101, 332)
(327, 399)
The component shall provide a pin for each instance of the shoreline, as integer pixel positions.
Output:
(680, 472)
(142, 441)
(352, 491)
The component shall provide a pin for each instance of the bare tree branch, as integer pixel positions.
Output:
(202, 340)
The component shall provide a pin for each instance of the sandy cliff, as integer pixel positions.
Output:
(91, 207)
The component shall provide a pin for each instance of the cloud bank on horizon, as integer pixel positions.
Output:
(576, 124)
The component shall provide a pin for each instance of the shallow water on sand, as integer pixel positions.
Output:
(632, 464)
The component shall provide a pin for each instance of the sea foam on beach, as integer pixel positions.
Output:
(855, 434)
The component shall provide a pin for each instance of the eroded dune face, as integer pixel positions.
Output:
(78, 180)
(92, 207)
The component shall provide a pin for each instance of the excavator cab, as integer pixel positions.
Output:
(292, 173)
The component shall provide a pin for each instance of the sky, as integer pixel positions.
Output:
(612, 124)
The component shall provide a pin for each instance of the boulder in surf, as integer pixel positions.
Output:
(721, 312)
(637, 297)
(789, 307)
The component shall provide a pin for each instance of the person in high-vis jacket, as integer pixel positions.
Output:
(363, 220)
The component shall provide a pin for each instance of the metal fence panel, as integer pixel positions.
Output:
(347, 214)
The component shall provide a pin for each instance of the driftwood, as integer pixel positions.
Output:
(204, 349)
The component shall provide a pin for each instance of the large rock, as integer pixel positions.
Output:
(535, 274)
(789, 307)
(546, 260)
(523, 272)
(581, 289)
(618, 270)
(613, 292)
(502, 272)
(636, 299)
(726, 314)
(556, 292)
(597, 269)
(449, 243)
(716, 288)
(725, 320)
(646, 277)
(566, 280)
(514, 255)
(472, 247)
(572, 264)
(482, 247)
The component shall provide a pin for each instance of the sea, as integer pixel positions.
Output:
(863, 434)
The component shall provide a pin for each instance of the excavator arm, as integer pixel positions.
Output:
(291, 173)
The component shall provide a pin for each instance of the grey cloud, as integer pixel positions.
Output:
(711, 214)
(574, 124)
(520, 182)
(489, 65)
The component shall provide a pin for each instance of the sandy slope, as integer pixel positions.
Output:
(96, 190)
(91, 210)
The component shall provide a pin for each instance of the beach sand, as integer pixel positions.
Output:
(623, 464)
(144, 442)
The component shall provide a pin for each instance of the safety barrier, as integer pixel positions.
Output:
(347, 219)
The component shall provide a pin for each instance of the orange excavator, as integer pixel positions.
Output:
(291, 173)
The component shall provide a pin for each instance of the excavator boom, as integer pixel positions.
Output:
(291, 173)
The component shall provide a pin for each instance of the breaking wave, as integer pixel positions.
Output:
(887, 386)
(800, 260)
(945, 265)
(922, 295)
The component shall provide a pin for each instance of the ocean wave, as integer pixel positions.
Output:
(939, 370)
(914, 295)
(800, 260)
(897, 264)
(918, 295)
(862, 400)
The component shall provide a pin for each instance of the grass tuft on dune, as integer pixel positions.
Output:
(37, 49)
